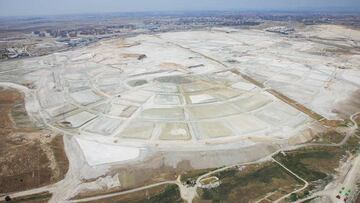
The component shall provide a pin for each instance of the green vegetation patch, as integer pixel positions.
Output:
(317, 163)
(311, 164)
(352, 145)
(250, 184)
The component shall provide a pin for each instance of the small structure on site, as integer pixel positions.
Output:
(210, 182)
(281, 30)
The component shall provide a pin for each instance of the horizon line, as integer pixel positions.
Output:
(177, 12)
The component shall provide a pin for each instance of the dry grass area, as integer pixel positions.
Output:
(333, 123)
(159, 194)
(329, 137)
(133, 56)
(29, 156)
(358, 199)
(35, 198)
(194, 174)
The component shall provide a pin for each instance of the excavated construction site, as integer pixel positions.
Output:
(130, 109)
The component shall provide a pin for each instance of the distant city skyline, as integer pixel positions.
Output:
(52, 7)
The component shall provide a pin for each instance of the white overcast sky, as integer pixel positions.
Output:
(55, 7)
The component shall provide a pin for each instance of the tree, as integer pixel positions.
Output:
(8, 198)
(293, 197)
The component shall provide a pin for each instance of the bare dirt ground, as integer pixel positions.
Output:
(300, 107)
(358, 199)
(352, 104)
(328, 137)
(136, 175)
(31, 157)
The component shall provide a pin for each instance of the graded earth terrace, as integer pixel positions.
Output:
(188, 100)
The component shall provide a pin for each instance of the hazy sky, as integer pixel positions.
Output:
(54, 7)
